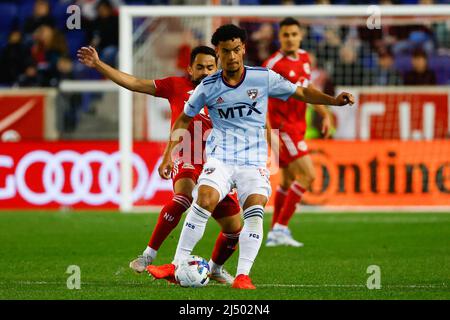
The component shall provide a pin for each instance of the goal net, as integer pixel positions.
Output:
(389, 150)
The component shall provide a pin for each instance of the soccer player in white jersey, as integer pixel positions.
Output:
(236, 98)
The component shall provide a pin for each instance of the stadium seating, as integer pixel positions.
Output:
(14, 13)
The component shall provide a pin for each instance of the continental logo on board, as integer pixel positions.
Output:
(380, 173)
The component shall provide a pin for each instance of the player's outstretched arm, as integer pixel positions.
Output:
(313, 96)
(89, 57)
(182, 123)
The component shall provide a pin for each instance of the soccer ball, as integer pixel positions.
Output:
(193, 272)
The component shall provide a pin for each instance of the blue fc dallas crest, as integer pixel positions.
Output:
(252, 93)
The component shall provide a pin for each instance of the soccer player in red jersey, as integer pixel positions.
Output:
(188, 167)
(297, 170)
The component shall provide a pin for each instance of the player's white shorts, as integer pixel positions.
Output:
(246, 179)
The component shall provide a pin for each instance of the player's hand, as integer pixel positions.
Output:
(326, 127)
(88, 56)
(345, 98)
(165, 168)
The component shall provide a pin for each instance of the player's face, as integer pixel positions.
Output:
(231, 54)
(290, 38)
(203, 66)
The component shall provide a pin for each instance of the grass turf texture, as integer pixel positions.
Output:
(412, 250)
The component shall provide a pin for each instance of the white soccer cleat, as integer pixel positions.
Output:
(273, 239)
(222, 276)
(140, 263)
(285, 238)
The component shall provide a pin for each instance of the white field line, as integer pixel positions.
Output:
(260, 285)
(334, 209)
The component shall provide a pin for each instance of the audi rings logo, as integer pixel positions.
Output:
(82, 178)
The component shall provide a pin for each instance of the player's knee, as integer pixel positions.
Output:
(207, 200)
(310, 178)
(287, 179)
(255, 200)
(230, 224)
(307, 179)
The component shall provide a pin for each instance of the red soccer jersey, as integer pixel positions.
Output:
(291, 113)
(177, 90)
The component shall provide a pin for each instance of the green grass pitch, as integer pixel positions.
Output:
(412, 251)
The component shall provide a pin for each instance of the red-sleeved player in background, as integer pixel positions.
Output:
(297, 170)
(187, 168)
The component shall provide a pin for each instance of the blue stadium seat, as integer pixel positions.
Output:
(147, 2)
(25, 9)
(249, 2)
(8, 12)
(441, 66)
(75, 40)
(3, 40)
(59, 12)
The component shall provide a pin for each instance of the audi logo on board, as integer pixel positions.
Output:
(86, 170)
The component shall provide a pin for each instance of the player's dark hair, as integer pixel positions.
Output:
(289, 21)
(203, 50)
(228, 32)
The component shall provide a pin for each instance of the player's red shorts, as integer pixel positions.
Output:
(292, 147)
(228, 207)
(187, 170)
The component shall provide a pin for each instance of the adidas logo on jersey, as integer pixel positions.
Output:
(219, 100)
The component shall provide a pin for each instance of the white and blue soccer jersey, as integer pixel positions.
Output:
(238, 114)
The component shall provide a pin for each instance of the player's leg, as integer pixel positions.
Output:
(168, 219)
(172, 212)
(227, 214)
(213, 185)
(194, 225)
(303, 170)
(195, 222)
(286, 178)
(253, 187)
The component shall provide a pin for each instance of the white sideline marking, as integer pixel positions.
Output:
(334, 209)
(261, 285)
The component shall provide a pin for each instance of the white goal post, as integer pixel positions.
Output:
(128, 13)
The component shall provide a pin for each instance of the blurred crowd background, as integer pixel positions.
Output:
(38, 50)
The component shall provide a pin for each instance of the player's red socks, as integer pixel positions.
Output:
(280, 196)
(168, 219)
(226, 244)
(293, 197)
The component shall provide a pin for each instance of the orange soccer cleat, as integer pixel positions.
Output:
(243, 281)
(165, 271)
